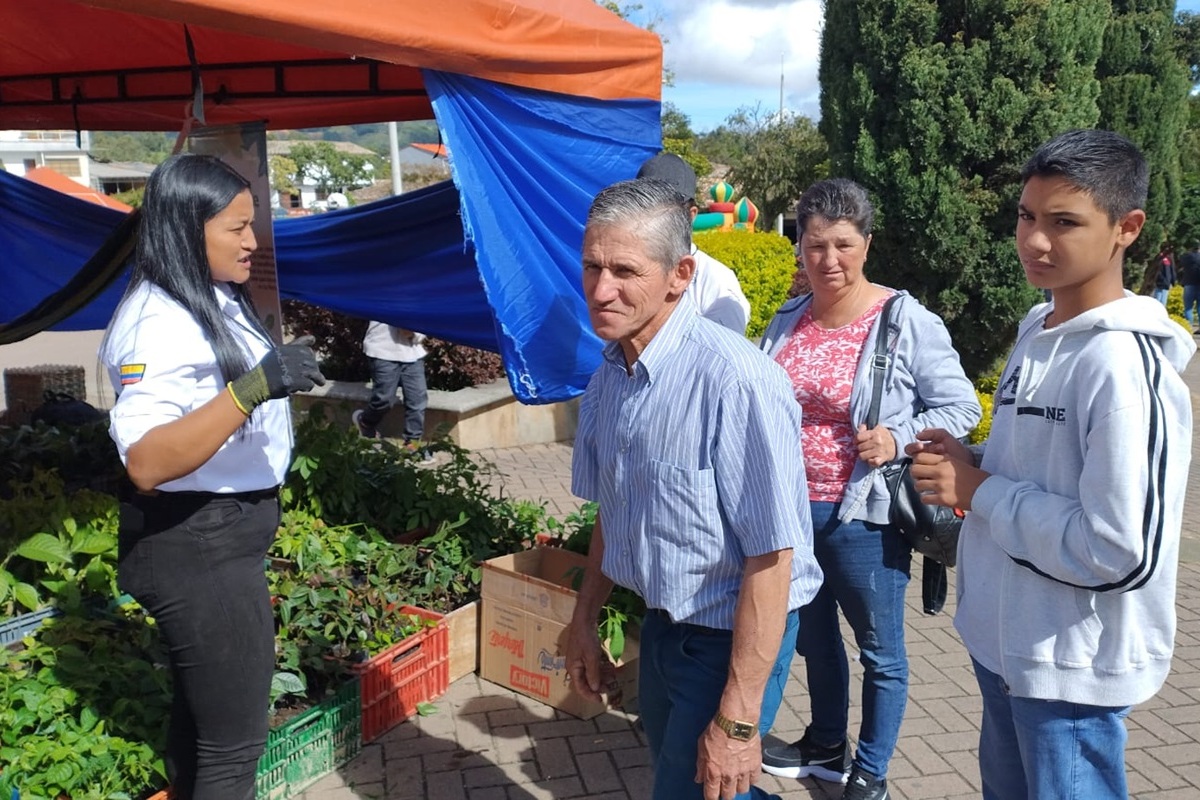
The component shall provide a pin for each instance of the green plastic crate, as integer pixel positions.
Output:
(312, 745)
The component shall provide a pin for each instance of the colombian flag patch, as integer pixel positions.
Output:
(132, 373)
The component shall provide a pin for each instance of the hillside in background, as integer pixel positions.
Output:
(152, 148)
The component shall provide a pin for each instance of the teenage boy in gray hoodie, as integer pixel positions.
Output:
(1067, 559)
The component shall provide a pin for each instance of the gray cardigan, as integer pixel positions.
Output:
(925, 388)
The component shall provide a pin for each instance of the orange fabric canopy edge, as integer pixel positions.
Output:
(123, 64)
(61, 183)
(433, 149)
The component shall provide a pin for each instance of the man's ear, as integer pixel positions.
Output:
(1130, 227)
(681, 274)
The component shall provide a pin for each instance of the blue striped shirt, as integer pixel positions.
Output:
(695, 461)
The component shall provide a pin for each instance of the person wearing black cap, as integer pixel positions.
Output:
(714, 288)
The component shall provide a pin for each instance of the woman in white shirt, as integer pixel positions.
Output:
(204, 431)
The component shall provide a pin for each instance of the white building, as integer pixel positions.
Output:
(311, 196)
(56, 150)
(114, 177)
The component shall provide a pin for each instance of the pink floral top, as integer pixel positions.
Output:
(821, 364)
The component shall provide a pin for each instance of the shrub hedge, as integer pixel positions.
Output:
(339, 347)
(763, 263)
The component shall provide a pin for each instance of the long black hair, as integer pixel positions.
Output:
(183, 193)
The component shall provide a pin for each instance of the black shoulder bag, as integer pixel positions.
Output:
(931, 531)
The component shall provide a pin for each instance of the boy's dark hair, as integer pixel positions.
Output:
(1107, 166)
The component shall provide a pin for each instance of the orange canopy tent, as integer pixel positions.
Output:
(540, 103)
(129, 64)
(61, 183)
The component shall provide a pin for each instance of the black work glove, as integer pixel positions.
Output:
(287, 369)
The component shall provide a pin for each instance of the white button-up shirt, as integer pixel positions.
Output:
(161, 366)
(717, 293)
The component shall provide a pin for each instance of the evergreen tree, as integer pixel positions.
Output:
(934, 107)
(1143, 96)
(678, 138)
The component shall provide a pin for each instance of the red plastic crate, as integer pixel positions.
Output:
(415, 670)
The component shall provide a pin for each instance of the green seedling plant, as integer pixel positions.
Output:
(342, 478)
(71, 729)
(59, 546)
(336, 592)
(622, 613)
(84, 456)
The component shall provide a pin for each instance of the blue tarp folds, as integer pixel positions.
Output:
(45, 238)
(528, 164)
(400, 260)
(493, 263)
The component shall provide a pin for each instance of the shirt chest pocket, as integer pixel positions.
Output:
(682, 507)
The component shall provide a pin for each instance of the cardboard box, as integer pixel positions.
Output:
(527, 604)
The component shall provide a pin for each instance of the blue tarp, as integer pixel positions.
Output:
(402, 260)
(493, 264)
(528, 164)
(45, 238)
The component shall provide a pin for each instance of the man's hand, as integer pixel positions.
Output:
(876, 446)
(944, 470)
(589, 669)
(727, 766)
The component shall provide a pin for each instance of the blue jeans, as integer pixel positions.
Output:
(410, 377)
(682, 671)
(1191, 298)
(1161, 295)
(195, 563)
(1048, 749)
(866, 572)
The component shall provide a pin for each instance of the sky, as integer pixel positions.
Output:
(729, 54)
(726, 54)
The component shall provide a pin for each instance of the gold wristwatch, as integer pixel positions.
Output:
(735, 728)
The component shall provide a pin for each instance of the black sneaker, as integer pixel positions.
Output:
(364, 430)
(864, 786)
(802, 758)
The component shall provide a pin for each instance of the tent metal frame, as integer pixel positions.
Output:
(222, 74)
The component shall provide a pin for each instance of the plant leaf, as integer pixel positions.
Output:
(45, 548)
(94, 543)
(616, 642)
(27, 596)
(425, 709)
(88, 718)
(287, 683)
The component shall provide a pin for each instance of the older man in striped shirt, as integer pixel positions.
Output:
(689, 439)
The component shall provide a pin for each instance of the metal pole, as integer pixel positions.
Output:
(781, 87)
(394, 148)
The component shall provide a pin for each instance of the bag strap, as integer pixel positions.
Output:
(879, 361)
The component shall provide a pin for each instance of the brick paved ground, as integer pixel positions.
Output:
(487, 743)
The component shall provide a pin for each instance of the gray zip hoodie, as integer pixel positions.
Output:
(1067, 561)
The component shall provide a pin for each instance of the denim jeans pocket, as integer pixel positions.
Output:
(217, 517)
(707, 652)
(135, 575)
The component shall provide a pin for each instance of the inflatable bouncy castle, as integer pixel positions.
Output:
(724, 213)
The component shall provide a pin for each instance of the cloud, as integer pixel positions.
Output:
(740, 43)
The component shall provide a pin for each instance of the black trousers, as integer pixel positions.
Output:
(194, 561)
